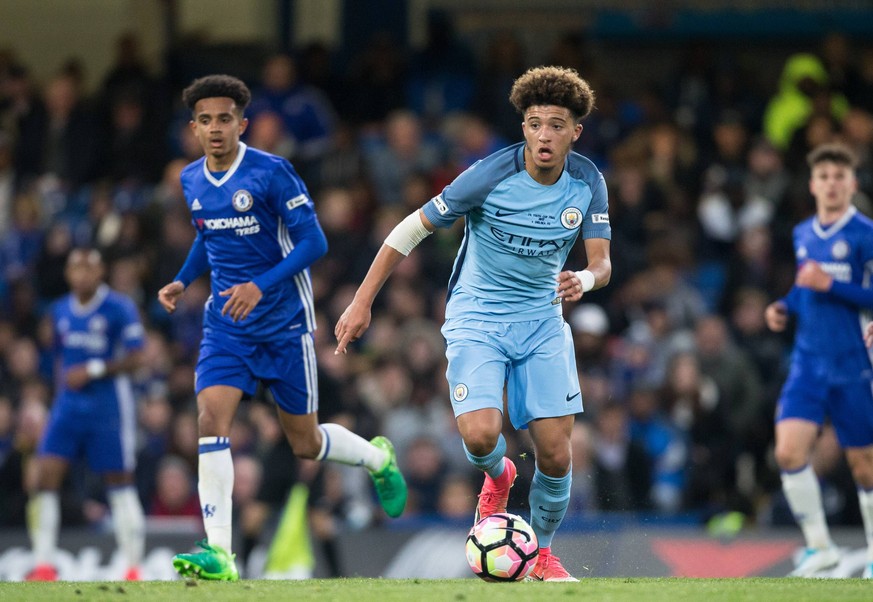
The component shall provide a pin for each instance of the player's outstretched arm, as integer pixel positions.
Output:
(169, 295)
(356, 318)
(402, 239)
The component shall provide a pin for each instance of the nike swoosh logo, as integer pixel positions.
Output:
(500, 213)
(570, 397)
(553, 509)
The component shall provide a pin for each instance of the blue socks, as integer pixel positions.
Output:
(493, 463)
(549, 498)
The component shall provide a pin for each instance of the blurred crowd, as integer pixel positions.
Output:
(706, 177)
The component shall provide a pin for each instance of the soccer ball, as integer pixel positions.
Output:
(502, 547)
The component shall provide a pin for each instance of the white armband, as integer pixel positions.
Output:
(407, 234)
(587, 280)
(95, 369)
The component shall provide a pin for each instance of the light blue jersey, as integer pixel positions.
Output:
(518, 233)
(503, 325)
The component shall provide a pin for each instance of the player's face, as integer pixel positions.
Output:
(832, 185)
(549, 132)
(84, 272)
(218, 124)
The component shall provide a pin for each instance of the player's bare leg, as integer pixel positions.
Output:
(485, 448)
(216, 407)
(336, 443)
(795, 439)
(44, 517)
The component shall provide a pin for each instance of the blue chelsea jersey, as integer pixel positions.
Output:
(518, 233)
(105, 328)
(248, 220)
(828, 325)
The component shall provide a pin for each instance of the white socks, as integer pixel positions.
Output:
(44, 521)
(804, 498)
(342, 445)
(215, 485)
(129, 523)
(865, 502)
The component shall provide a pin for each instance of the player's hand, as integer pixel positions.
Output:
(169, 295)
(868, 335)
(351, 325)
(77, 377)
(776, 316)
(243, 299)
(810, 275)
(569, 286)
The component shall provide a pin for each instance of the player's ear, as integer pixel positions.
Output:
(578, 132)
(243, 124)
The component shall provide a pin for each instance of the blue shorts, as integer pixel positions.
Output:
(286, 367)
(535, 360)
(812, 393)
(101, 426)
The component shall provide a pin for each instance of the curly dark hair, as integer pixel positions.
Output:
(217, 86)
(835, 152)
(559, 86)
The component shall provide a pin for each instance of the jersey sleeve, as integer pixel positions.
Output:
(596, 221)
(305, 239)
(468, 191)
(290, 198)
(132, 333)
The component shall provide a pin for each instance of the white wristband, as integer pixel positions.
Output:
(587, 280)
(407, 234)
(95, 369)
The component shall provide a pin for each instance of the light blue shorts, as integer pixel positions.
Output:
(534, 360)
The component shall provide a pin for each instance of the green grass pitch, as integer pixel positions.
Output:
(451, 590)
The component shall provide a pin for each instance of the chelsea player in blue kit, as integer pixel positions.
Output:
(98, 339)
(258, 233)
(831, 374)
(524, 208)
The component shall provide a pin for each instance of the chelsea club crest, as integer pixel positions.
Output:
(242, 200)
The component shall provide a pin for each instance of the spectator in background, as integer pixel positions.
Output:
(175, 494)
(803, 80)
(402, 151)
(622, 468)
(306, 113)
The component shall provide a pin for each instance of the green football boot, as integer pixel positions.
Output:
(213, 563)
(389, 481)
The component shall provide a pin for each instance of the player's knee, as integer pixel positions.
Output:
(790, 457)
(480, 443)
(304, 447)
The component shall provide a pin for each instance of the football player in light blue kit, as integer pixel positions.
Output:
(524, 208)
(98, 339)
(831, 372)
(258, 233)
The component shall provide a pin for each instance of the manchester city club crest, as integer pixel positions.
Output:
(571, 217)
(840, 250)
(460, 392)
(242, 200)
